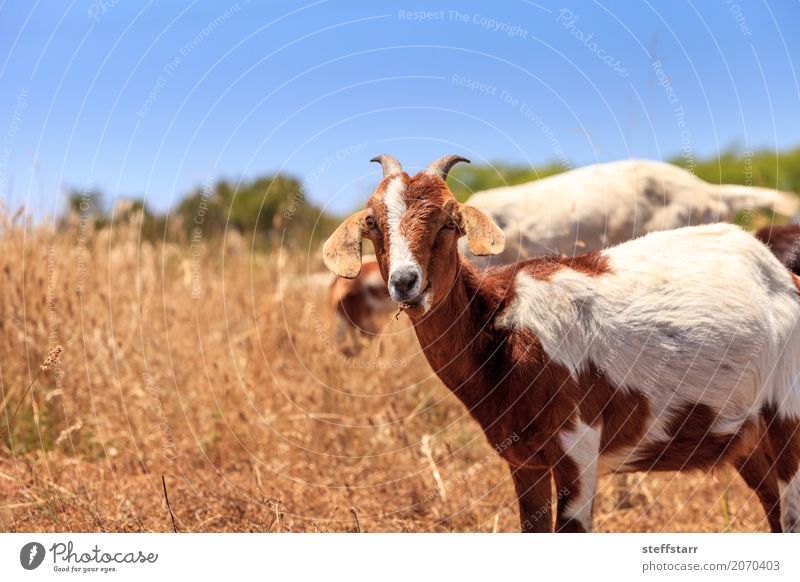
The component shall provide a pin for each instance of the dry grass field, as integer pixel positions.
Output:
(213, 367)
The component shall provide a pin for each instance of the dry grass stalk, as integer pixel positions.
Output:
(50, 361)
(169, 507)
(354, 511)
(437, 477)
(383, 332)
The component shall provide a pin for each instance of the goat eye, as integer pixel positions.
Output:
(450, 225)
(370, 222)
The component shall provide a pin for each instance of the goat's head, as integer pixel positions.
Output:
(414, 224)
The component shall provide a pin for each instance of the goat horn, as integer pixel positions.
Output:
(442, 166)
(389, 163)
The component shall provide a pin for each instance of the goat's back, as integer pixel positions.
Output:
(695, 315)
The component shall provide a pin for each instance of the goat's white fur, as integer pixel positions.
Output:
(790, 503)
(581, 445)
(399, 253)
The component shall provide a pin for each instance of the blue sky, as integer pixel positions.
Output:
(152, 99)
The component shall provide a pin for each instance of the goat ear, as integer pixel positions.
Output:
(483, 235)
(342, 251)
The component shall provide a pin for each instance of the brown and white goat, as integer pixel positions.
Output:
(356, 305)
(675, 351)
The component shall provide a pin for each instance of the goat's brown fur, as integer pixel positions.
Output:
(784, 242)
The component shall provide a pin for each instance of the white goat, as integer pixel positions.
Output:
(590, 208)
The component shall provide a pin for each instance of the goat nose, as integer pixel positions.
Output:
(402, 282)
